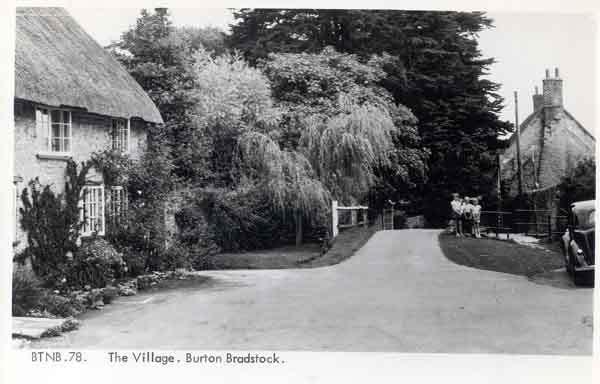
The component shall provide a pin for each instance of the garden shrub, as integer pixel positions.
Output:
(135, 261)
(59, 306)
(26, 292)
(142, 236)
(579, 184)
(176, 256)
(237, 221)
(91, 271)
(52, 223)
(95, 264)
(244, 220)
(195, 236)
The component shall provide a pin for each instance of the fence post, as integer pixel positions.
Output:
(498, 224)
(364, 217)
(334, 218)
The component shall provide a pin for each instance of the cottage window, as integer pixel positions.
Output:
(118, 204)
(92, 212)
(56, 125)
(120, 135)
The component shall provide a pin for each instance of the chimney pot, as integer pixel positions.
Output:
(552, 92)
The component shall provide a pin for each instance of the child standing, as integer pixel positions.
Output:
(476, 218)
(468, 215)
(456, 214)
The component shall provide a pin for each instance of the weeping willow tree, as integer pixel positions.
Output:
(286, 177)
(346, 149)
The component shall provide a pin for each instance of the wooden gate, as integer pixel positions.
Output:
(387, 218)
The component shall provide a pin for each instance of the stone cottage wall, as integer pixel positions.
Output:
(565, 145)
(90, 133)
(530, 151)
(557, 147)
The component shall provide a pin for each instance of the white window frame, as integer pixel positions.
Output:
(45, 124)
(92, 210)
(118, 203)
(121, 134)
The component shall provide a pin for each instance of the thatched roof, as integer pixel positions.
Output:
(58, 64)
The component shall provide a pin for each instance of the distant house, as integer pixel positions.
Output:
(72, 98)
(552, 143)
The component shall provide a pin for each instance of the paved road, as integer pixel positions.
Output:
(398, 293)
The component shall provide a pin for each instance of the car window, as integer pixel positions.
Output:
(584, 219)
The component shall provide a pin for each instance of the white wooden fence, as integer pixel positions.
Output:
(335, 218)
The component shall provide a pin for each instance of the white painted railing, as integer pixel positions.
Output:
(335, 218)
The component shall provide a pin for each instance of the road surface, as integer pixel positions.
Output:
(397, 293)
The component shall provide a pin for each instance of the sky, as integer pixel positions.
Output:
(523, 44)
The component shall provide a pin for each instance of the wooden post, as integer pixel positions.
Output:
(498, 225)
(334, 219)
(364, 214)
(518, 133)
(499, 190)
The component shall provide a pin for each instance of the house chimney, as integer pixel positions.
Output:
(538, 100)
(553, 90)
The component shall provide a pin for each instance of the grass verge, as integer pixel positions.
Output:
(500, 255)
(344, 246)
(305, 256)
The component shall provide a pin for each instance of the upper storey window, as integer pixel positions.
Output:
(56, 125)
(120, 135)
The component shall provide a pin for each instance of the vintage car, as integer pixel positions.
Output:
(578, 242)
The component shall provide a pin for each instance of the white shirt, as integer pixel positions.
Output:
(468, 208)
(457, 206)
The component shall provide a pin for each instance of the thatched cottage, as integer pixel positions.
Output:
(552, 143)
(72, 98)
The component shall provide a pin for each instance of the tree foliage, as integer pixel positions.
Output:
(142, 237)
(334, 109)
(230, 99)
(436, 70)
(346, 148)
(579, 184)
(286, 177)
(160, 57)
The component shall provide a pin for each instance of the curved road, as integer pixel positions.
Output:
(397, 293)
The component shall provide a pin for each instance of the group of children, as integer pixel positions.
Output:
(466, 215)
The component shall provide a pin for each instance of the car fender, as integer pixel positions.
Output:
(580, 259)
